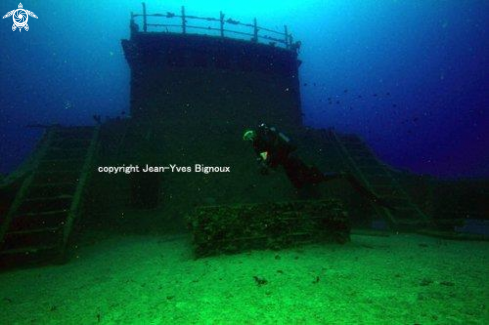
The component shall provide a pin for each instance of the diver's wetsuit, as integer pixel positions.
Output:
(274, 149)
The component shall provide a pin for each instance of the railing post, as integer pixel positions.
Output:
(184, 22)
(255, 30)
(286, 37)
(145, 27)
(222, 23)
(132, 25)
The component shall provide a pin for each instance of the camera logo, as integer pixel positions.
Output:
(20, 17)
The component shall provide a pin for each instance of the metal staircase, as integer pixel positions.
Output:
(41, 217)
(378, 178)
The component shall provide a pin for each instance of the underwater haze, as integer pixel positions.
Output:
(409, 76)
(158, 195)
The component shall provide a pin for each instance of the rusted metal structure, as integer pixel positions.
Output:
(193, 91)
(184, 77)
(277, 225)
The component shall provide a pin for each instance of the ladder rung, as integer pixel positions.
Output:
(383, 191)
(405, 208)
(45, 213)
(377, 184)
(456, 212)
(395, 197)
(449, 221)
(383, 187)
(73, 137)
(27, 250)
(51, 198)
(66, 171)
(52, 184)
(60, 160)
(33, 231)
(54, 148)
(410, 222)
(75, 130)
(73, 141)
(379, 180)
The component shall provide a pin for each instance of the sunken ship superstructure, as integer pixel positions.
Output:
(194, 89)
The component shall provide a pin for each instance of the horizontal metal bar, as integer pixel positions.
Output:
(209, 19)
(273, 39)
(154, 15)
(176, 16)
(254, 36)
(204, 28)
(271, 31)
(218, 29)
(239, 33)
(203, 18)
(165, 25)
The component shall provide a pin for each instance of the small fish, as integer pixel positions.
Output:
(68, 104)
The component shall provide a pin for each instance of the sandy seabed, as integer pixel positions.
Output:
(400, 279)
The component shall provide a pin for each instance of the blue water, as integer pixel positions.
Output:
(410, 76)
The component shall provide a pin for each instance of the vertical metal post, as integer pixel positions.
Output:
(255, 30)
(184, 22)
(145, 27)
(222, 23)
(286, 37)
(131, 25)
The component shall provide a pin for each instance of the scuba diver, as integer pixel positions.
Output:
(274, 148)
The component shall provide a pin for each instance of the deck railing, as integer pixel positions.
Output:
(257, 34)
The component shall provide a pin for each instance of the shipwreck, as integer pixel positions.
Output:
(194, 89)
